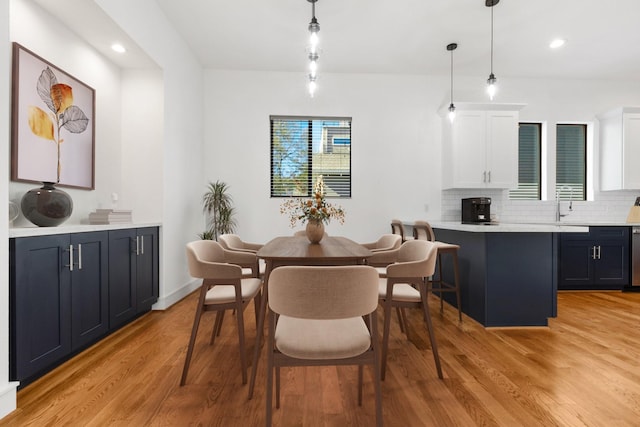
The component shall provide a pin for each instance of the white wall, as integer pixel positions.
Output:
(182, 124)
(39, 32)
(396, 142)
(7, 389)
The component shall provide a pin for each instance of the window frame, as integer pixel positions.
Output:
(513, 194)
(312, 171)
(562, 193)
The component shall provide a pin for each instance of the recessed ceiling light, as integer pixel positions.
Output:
(557, 43)
(118, 48)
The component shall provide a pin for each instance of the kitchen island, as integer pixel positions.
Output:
(508, 272)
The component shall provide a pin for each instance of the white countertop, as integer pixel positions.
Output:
(510, 227)
(73, 228)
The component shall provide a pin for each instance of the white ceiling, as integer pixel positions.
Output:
(393, 36)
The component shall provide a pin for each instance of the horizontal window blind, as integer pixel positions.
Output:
(303, 148)
(529, 152)
(571, 161)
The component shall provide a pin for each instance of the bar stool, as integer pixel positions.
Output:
(423, 231)
(398, 228)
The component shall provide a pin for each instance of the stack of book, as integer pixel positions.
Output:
(110, 216)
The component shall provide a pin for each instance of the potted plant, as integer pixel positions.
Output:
(218, 206)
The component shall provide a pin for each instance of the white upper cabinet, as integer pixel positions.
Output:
(620, 149)
(480, 148)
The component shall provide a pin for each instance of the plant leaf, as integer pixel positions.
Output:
(40, 123)
(74, 120)
(46, 80)
(62, 97)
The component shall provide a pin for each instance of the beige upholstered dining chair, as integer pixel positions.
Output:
(223, 288)
(384, 252)
(233, 242)
(316, 319)
(244, 256)
(405, 287)
(422, 231)
(398, 228)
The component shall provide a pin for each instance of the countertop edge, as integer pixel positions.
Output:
(75, 228)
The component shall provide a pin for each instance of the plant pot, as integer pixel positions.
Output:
(315, 231)
(46, 206)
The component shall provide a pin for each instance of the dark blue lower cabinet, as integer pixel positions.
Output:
(65, 288)
(597, 260)
(133, 273)
(58, 299)
(506, 279)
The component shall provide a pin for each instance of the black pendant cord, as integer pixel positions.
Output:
(451, 76)
(491, 40)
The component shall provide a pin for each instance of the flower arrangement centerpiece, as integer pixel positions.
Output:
(315, 211)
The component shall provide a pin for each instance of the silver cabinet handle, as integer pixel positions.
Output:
(593, 252)
(141, 245)
(599, 249)
(70, 265)
(137, 245)
(484, 176)
(79, 256)
(489, 174)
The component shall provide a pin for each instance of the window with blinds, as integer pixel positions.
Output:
(303, 148)
(529, 161)
(571, 161)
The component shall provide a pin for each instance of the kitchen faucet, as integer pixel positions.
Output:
(563, 188)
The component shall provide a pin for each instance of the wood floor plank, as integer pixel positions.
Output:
(583, 370)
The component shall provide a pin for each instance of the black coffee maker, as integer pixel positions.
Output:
(476, 210)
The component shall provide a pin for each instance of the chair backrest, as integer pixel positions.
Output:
(388, 241)
(416, 258)
(206, 259)
(323, 292)
(231, 242)
(423, 231)
(397, 228)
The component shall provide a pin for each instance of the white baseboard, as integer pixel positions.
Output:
(8, 398)
(167, 301)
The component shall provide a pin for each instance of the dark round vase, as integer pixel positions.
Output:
(46, 206)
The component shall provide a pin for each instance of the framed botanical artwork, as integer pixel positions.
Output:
(52, 124)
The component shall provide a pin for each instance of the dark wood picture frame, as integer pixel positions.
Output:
(52, 124)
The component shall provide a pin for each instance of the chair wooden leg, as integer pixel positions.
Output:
(360, 375)
(439, 267)
(400, 319)
(277, 386)
(194, 333)
(385, 338)
(403, 315)
(456, 278)
(376, 368)
(269, 394)
(217, 326)
(243, 352)
(432, 336)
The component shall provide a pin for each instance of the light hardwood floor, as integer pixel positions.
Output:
(584, 370)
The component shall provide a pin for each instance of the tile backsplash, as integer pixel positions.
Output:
(609, 206)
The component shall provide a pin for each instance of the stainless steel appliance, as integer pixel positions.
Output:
(635, 256)
(476, 210)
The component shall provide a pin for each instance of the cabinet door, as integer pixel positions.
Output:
(89, 286)
(122, 277)
(146, 268)
(40, 303)
(502, 149)
(468, 160)
(576, 261)
(611, 266)
(631, 151)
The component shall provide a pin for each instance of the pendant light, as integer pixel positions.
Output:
(314, 28)
(452, 108)
(491, 81)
